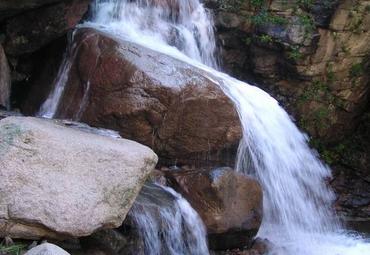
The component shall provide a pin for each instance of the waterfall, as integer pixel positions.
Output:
(167, 224)
(185, 25)
(50, 106)
(298, 218)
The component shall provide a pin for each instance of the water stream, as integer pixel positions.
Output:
(167, 224)
(298, 218)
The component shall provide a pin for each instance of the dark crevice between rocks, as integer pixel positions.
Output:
(34, 74)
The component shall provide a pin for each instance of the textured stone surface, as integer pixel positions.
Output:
(313, 56)
(230, 204)
(58, 182)
(352, 174)
(30, 31)
(5, 82)
(46, 249)
(4, 114)
(150, 98)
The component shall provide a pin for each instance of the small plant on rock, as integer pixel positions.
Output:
(14, 249)
(295, 54)
(265, 38)
(356, 70)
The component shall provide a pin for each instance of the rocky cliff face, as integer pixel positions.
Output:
(313, 56)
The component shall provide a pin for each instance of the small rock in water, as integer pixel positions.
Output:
(47, 249)
(261, 245)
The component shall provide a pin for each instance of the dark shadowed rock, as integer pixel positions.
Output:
(148, 97)
(230, 204)
(11, 7)
(5, 81)
(41, 69)
(33, 29)
(259, 247)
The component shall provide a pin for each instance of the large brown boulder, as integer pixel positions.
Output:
(148, 97)
(230, 204)
(35, 28)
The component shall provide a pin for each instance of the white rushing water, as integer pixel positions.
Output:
(50, 106)
(298, 218)
(168, 225)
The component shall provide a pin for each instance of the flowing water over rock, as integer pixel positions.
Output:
(50, 106)
(167, 224)
(298, 218)
(185, 25)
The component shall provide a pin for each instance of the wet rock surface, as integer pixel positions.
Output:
(229, 204)
(259, 247)
(149, 97)
(313, 57)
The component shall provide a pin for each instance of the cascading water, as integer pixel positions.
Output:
(185, 24)
(298, 218)
(50, 106)
(167, 224)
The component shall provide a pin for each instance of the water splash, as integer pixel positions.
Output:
(167, 224)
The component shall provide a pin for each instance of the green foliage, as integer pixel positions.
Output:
(321, 114)
(319, 118)
(248, 41)
(356, 25)
(230, 5)
(330, 155)
(257, 3)
(330, 76)
(265, 17)
(315, 91)
(356, 70)
(307, 22)
(357, 18)
(295, 53)
(15, 249)
(265, 38)
(319, 91)
(345, 49)
(305, 3)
